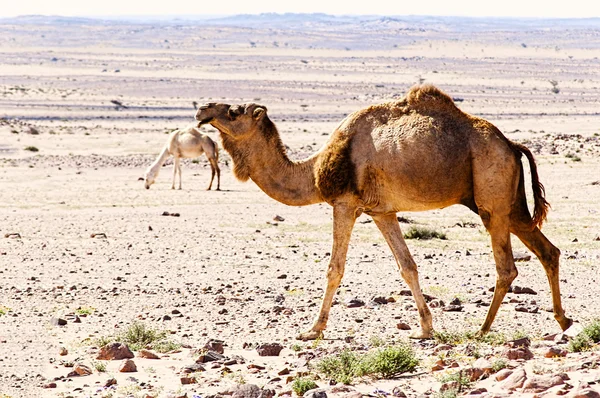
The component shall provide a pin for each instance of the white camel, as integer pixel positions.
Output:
(185, 143)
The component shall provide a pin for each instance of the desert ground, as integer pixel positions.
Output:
(82, 241)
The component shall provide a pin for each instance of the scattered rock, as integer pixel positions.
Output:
(503, 374)
(215, 345)
(278, 218)
(251, 391)
(515, 380)
(127, 366)
(397, 392)
(195, 367)
(147, 354)
(354, 302)
(522, 342)
(518, 353)
(437, 303)
(114, 351)
(530, 309)
(380, 300)
(59, 322)
(555, 352)
(403, 326)
(209, 356)
(82, 370)
(110, 382)
(536, 384)
(521, 257)
(452, 308)
(188, 380)
(50, 385)
(269, 349)
(523, 290)
(315, 393)
(62, 351)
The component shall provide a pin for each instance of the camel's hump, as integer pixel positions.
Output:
(429, 99)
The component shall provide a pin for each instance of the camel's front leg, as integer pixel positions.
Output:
(343, 222)
(389, 227)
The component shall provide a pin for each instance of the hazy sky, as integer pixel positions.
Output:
(516, 8)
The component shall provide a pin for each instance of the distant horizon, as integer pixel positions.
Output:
(539, 9)
(217, 16)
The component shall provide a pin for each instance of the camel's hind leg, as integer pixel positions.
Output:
(389, 227)
(498, 226)
(549, 257)
(175, 170)
(214, 167)
(343, 222)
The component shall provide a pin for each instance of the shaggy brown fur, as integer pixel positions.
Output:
(334, 171)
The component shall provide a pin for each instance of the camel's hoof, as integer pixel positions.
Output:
(421, 335)
(565, 323)
(311, 335)
(480, 334)
(218, 189)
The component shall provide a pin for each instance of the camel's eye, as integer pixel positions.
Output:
(234, 111)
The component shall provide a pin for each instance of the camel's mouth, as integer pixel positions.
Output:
(205, 121)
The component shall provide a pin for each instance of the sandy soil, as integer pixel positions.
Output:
(224, 268)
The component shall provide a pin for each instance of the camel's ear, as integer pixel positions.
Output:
(258, 113)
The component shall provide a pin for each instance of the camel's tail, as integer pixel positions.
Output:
(541, 206)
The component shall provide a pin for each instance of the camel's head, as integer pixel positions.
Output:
(236, 121)
(149, 178)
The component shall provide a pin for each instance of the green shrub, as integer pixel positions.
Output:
(138, 336)
(343, 367)
(424, 233)
(498, 365)
(382, 363)
(31, 148)
(302, 385)
(390, 362)
(587, 338)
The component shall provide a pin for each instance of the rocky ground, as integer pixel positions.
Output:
(86, 252)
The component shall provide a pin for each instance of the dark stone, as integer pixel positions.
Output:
(269, 349)
(354, 302)
(209, 356)
(215, 345)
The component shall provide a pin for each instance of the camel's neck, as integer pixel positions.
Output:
(267, 164)
(160, 160)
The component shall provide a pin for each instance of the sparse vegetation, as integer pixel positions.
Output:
(383, 363)
(573, 157)
(85, 310)
(31, 149)
(460, 383)
(3, 310)
(302, 385)
(492, 338)
(424, 233)
(296, 347)
(498, 365)
(138, 336)
(99, 366)
(585, 340)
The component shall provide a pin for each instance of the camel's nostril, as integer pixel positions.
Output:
(147, 186)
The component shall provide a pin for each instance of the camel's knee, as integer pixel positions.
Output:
(335, 274)
(506, 277)
(550, 258)
(409, 272)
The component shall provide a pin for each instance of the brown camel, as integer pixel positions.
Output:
(418, 153)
